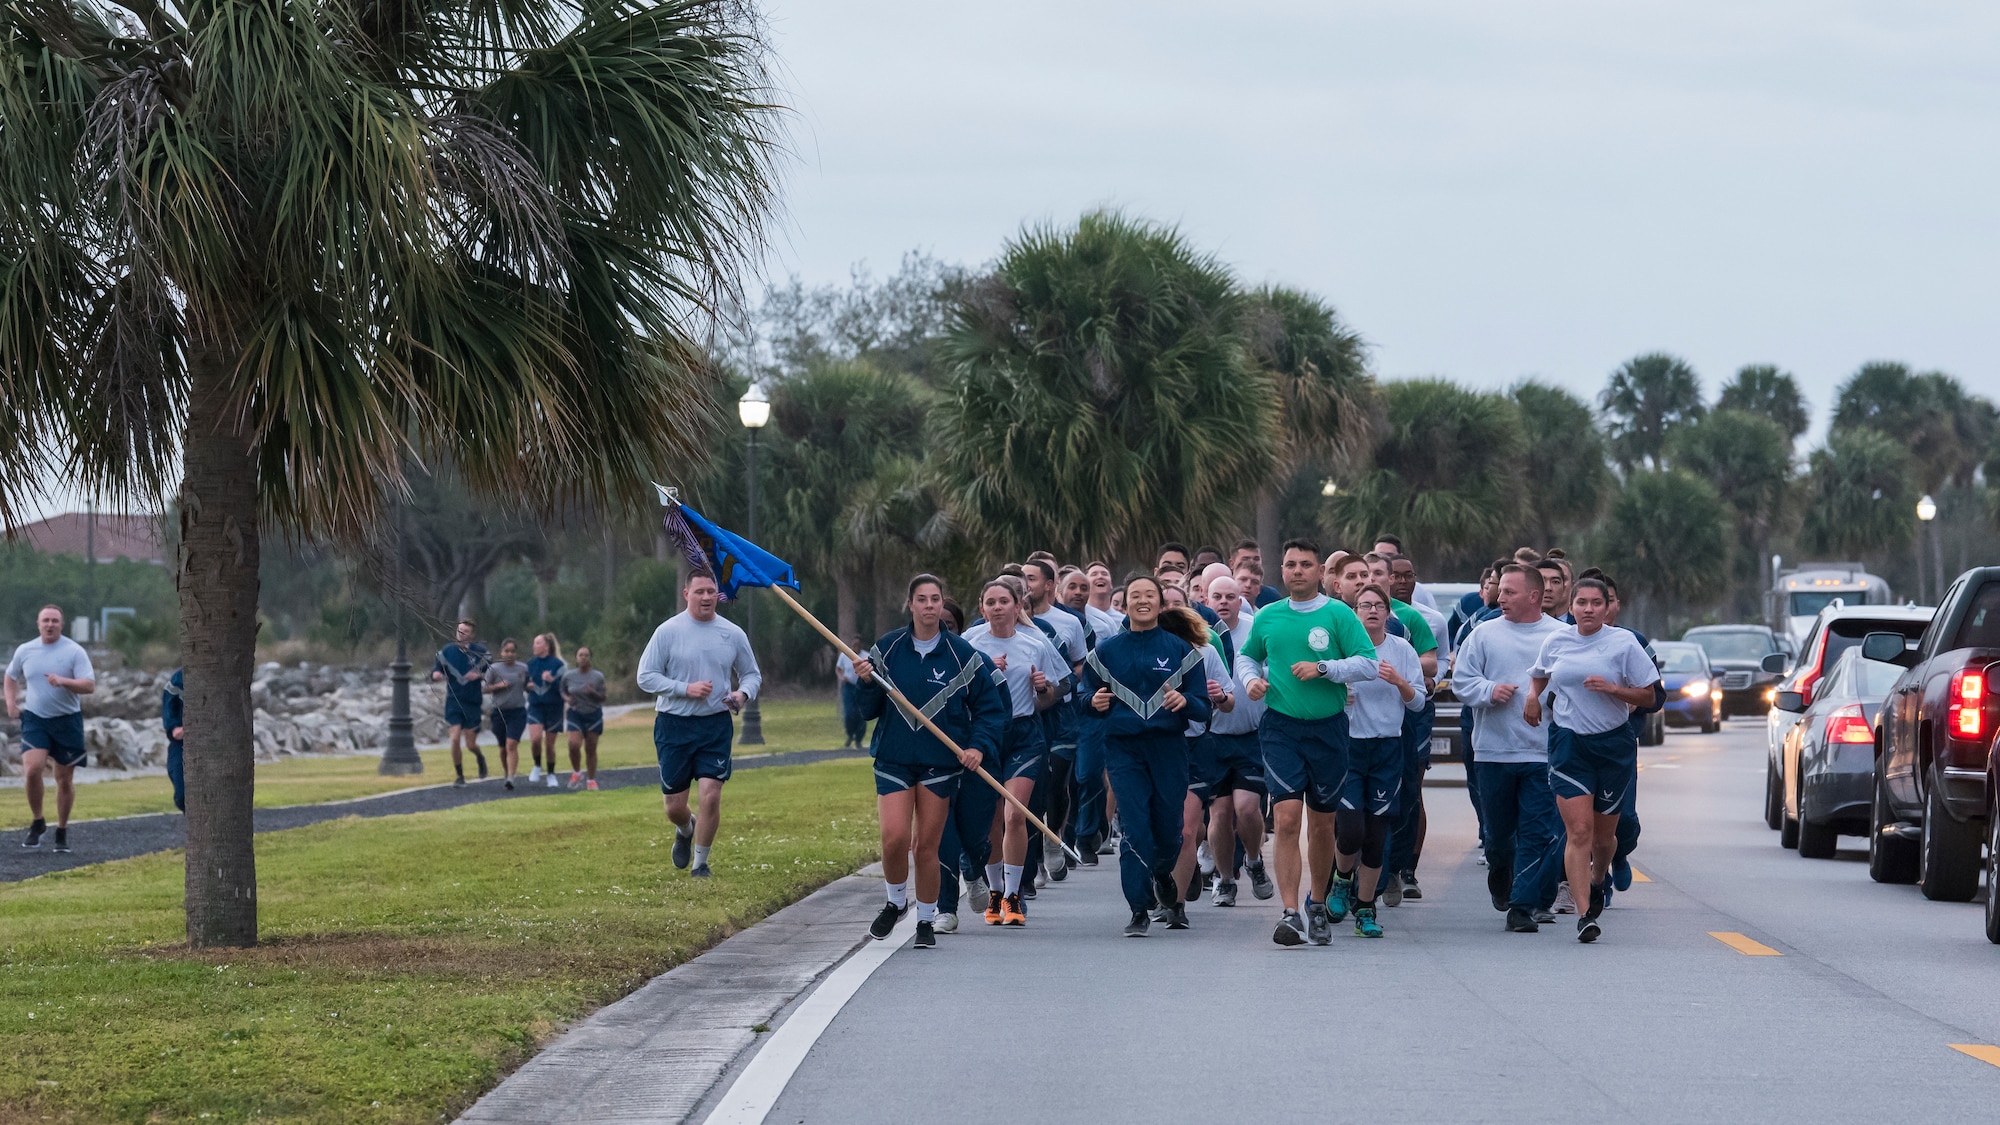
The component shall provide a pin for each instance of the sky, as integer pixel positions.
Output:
(1485, 191)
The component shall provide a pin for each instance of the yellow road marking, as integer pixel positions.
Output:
(1979, 1051)
(1639, 876)
(1748, 947)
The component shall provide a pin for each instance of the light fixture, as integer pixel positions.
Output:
(754, 408)
(1329, 489)
(1927, 509)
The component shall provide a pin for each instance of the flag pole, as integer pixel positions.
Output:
(911, 710)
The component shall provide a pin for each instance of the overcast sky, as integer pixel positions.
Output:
(1485, 191)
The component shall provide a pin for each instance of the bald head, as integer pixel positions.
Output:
(1225, 597)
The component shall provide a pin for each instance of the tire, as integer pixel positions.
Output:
(1993, 875)
(1816, 841)
(1712, 724)
(1950, 864)
(1891, 859)
(1774, 800)
(1788, 827)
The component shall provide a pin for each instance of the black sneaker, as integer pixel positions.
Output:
(926, 936)
(1291, 929)
(1139, 924)
(1598, 900)
(1177, 918)
(1520, 921)
(1410, 888)
(684, 844)
(481, 758)
(1165, 892)
(1499, 885)
(701, 872)
(34, 836)
(510, 783)
(886, 921)
(62, 841)
(1587, 930)
(459, 783)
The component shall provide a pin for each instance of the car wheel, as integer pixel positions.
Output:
(1774, 800)
(1891, 858)
(1993, 872)
(1816, 841)
(1950, 855)
(1713, 723)
(1788, 825)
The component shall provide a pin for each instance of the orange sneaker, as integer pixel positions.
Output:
(993, 908)
(591, 785)
(1011, 913)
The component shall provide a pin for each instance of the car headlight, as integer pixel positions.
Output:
(1771, 694)
(1695, 689)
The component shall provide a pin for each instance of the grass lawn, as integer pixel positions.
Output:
(790, 724)
(409, 961)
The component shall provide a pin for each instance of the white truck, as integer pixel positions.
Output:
(1797, 595)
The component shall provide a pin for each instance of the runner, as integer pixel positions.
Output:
(1555, 588)
(1133, 682)
(1314, 646)
(1035, 675)
(461, 667)
(1628, 813)
(1170, 556)
(1204, 557)
(1219, 688)
(507, 683)
(583, 700)
(545, 704)
(1490, 679)
(915, 774)
(1247, 552)
(1370, 793)
(852, 724)
(1595, 676)
(43, 682)
(1102, 615)
(171, 714)
(967, 840)
(1392, 546)
(1406, 833)
(688, 666)
(1070, 635)
(1236, 818)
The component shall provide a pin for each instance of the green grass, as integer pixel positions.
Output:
(790, 724)
(409, 961)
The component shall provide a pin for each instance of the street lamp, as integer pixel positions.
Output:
(1926, 512)
(399, 755)
(1329, 489)
(754, 408)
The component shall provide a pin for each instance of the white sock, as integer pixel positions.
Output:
(685, 830)
(700, 856)
(927, 912)
(899, 893)
(994, 876)
(1013, 874)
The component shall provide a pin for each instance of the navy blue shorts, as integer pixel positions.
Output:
(547, 715)
(1374, 774)
(1304, 759)
(1202, 767)
(60, 735)
(1027, 750)
(1239, 763)
(509, 723)
(895, 777)
(1602, 767)
(692, 746)
(584, 722)
(461, 712)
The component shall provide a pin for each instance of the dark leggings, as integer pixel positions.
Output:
(1356, 831)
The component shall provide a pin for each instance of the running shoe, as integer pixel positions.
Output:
(1599, 899)
(550, 778)
(976, 890)
(1011, 913)
(1193, 890)
(62, 841)
(1498, 887)
(1158, 913)
(1564, 903)
(576, 779)
(702, 872)
(947, 923)
(1587, 930)
(1621, 873)
(1410, 888)
(1319, 928)
(1519, 921)
(886, 920)
(1365, 924)
(1341, 899)
(1260, 882)
(1291, 929)
(1544, 917)
(1109, 846)
(1390, 888)
(1055, 862)
(1139, 924)
(926, 936)
(1204, 860)
(684, 843)
(1028, 890)
(510, 783)
(993, 910)
(535, 776)
(1088, 852)
(459, 783)
(590, 786)
(1480, 859)
(34, 837)
(1177, 918)
(1165, 892)
(1223, 895)
(481, 759)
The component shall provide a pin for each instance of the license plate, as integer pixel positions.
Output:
(1440, 747)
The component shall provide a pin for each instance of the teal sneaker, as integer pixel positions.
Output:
(1365, 924)
(1341, 899)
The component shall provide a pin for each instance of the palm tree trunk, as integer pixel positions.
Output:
(1267, 521)
(843, 603)
(217, 582)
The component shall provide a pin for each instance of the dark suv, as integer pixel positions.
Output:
(1736, 653)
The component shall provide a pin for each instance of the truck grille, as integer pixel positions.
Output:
(1735, 681)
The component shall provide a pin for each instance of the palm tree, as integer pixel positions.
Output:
(272, 252)
(1858, 495)
(1748, 459)
(1447, 474)
(1643, 401)
(1100, 399)
(1329, 407)
(1664, 538)
(1767, 392)
(1565, 476)
(1945, 430)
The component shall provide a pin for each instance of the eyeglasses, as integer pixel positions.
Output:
(1371, 605)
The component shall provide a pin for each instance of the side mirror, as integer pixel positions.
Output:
(1793, 701)
(1886, 648)
(1777, 662)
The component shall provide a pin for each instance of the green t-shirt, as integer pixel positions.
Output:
(1421, 637)
(1281, 636)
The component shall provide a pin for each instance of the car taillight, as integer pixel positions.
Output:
(1848, 725)
(1966, 716)
(1811, 674)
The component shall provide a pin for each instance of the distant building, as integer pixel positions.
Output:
(108, 537)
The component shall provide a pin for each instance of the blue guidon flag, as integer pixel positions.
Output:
(734, 561)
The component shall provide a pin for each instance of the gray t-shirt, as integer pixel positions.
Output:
(34, 661)
(585, 691)
(1499, 652)
(1568, 657)
(684, 651)
(1027, 650)
(1375, 708)
(514, 678)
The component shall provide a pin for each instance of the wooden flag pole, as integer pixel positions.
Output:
(911, 710)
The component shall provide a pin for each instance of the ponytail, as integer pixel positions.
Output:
(1184, 623)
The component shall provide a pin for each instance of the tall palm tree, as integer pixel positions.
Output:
(1945, 430)
(1565, 477)
(1859, 495)
(1748, 459)
(1329, 408)
(1100, 399)
(1767, 392)
(1665, 538)
(270, 251)
(1643, 401)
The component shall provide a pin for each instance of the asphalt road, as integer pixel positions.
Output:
(1850, 1016)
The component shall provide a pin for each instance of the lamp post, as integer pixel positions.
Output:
(754, 409)
(399, 755)
(1926, 512)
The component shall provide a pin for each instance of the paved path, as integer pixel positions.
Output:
(99, 841)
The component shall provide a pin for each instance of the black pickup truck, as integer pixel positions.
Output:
(1934, 770)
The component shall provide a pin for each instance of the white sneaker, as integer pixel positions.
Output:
(1204, 859)
(1564, 903)
(1041, 878)
(977, 891)
(535, 775)
(945, 924)
(553, 782)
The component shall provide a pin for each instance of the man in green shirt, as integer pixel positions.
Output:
(1298, 659)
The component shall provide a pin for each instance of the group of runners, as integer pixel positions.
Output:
(539, 698)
